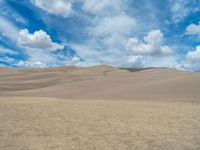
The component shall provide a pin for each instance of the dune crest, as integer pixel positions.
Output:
(101, 82)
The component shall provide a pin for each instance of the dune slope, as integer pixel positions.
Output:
(101, 82)
(99, 108)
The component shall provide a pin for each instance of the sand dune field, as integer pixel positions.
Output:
(99, 108)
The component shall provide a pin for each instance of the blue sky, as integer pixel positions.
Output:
(122, 33)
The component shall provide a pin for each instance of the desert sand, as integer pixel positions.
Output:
(99, 108)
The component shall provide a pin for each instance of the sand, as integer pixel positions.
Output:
(99, 108)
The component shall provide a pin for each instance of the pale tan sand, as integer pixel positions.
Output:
(53, 124)
(100, 108)
(101, 82)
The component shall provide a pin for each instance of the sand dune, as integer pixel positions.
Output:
(99, 108)
(101, 82)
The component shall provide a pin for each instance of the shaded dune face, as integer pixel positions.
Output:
(100, 82)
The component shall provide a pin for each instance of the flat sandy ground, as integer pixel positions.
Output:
(99, 109)
(53, 124)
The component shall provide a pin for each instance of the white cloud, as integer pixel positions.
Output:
(7, 11)
(57, 7)
(182, 8)
(102, 7)
(7, 51)
(109, 23)
(42, 58)
(84, 51)
(194, 55)
(39, 47)
(192, 61)
(136, 61)
(119, 24)
(108, 28)
(150, 52)
(8, 29)
(152, 45)
(39, 58)
(179, 10)
(38, 40)
(31, 64)
(8, 60)
(164, 61)
(76, 59)
(187, 65)
(193, 29)
(111, 33)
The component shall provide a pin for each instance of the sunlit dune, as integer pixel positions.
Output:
(99, 108)
(101, 82)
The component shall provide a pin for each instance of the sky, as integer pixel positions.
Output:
(120, 33)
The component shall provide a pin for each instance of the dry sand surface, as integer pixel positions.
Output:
(101, 82)
(99, 108)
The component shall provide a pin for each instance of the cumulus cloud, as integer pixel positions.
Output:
(38, 46)
(150, 52)
(152, 45)
(38, 40)
(57, 7)
(108, 28)
(192, 60)
(194, 55)
(136, 61)
(193, 29)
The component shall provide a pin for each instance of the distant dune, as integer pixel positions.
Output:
(101, 82)
(99, 108)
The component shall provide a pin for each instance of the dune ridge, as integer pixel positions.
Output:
(100, 82)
